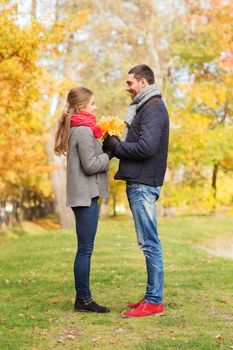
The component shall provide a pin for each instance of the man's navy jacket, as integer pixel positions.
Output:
(143, 155)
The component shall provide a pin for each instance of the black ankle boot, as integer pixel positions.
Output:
(89, 305)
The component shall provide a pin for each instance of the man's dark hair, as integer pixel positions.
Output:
(143, 71)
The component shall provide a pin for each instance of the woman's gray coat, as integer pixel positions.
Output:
(87, 168)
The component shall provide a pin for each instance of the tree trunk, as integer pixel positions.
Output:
(114, 197)
(214, 184)
(33, 10)
(104, 209)
(58, 176)
(57, 10)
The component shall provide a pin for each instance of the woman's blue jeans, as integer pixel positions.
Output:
(142, 201)
(86, 226)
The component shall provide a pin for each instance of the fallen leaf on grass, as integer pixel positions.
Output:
(43, 333)
(67, 336)
(70, 337)
(118, 330)
(54, 302)
(218, 336)
(113, 341)
(2, 319)
(96, 339)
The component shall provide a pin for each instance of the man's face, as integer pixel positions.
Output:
(134, 86)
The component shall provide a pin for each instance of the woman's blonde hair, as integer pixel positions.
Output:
(77, 98)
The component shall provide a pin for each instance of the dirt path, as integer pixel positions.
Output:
(219, 248)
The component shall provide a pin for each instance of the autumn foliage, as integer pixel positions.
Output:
(112, 125)
(67, 46)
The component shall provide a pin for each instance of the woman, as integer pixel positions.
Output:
(87, 165)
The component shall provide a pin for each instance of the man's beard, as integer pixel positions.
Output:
(132, 94)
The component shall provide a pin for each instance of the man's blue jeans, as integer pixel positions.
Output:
(86, 226)
(142, 201)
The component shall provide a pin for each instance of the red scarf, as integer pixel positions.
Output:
(86, 119)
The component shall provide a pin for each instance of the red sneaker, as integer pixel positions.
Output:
(144, 309)
(133, 306)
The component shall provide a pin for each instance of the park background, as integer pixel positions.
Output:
(47, 48)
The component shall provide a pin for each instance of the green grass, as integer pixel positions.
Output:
(37, 293)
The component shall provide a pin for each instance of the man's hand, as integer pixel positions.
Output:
(109, 153)
(110, 144)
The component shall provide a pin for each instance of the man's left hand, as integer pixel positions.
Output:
(110, 143)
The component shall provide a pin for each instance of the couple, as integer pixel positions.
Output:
(143, 158)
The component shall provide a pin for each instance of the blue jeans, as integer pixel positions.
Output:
(86, 226)
(142, 201)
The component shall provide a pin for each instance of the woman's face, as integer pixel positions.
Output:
(91, 106)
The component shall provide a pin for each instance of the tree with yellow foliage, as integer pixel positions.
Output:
(202, 116)
(24, 169)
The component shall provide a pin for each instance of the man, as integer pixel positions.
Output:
(143, 160)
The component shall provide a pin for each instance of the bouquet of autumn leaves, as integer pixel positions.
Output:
(113, 129)
(112, 126)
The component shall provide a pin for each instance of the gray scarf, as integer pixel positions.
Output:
(139, 100)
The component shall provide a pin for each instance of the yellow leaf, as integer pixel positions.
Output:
(112, 125)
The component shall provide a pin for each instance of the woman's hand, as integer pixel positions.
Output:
(105, 135)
